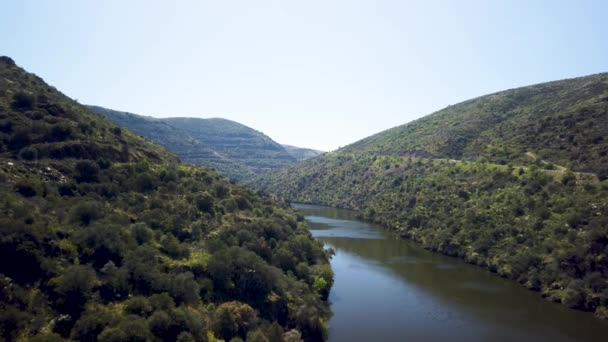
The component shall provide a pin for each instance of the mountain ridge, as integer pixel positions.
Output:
(232, 148)
(446, 133)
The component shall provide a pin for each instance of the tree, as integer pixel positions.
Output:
(233, 319)
(204, 203)
(184, 289)
(241, 275)
(90, 325)
(75, 286)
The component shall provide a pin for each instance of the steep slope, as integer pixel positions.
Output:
(105, 237)
(301, 153)
(39, 122)
(563, 122)
(517, 206)
(235, 150)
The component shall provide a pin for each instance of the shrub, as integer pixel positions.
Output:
(28, 153)
(159, 324)
(66, 189)
(116, 130)
(145, 182)
(90, 324)
(104, 164)
(75, 285)
(23, 101)
(138, 305)
(184, 289)
(19, 140)
(86, 172)
(60, 132)
(86, 212)
(28, 187)
(204, 203)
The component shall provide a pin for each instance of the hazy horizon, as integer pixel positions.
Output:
(320, 74)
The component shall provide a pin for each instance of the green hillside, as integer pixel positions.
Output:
(513, 182)
(563, 122)
(105, 237)
(235, 150)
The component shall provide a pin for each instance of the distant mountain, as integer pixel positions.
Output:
(516, 182)
(301, 153)
(233, 149)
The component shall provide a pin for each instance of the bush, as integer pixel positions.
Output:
(28, 187)
(159, 324)
(28, 153)
(86, 172)
(116, 131)
(138, 305)
(60, 132)
(75, 285)
(23, 101)
(145, 182)
(86, 212)
(90, 325)
(184, 289)
(66, 189)
(204, 203)
(104, 164)
(19, 140)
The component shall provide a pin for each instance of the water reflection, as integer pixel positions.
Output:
(388, 289)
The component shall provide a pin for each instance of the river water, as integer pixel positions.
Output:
(389, 289)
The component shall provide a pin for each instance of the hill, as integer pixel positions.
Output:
(563, 122)
(105, 237)
(514, 182)
(300, 153)
(235, 150)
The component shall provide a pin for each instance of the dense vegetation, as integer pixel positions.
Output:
(300, 153)
(104, 237)
(235, 150)
(563, 122)
(529, 220)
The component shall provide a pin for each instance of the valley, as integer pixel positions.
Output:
(514, 182)
(303, 171)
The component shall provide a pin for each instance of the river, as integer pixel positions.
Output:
(390, 289)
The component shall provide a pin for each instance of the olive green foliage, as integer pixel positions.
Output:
(536, 220)
(233, 149)
(35, 116)
(563, 122)
(135, 247)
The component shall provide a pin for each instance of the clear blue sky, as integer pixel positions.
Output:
(319, 74)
